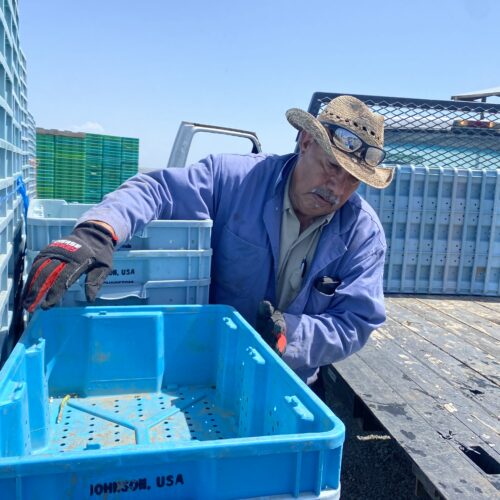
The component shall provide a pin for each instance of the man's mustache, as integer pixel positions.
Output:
(326, 194)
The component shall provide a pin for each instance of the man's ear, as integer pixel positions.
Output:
(305, 140)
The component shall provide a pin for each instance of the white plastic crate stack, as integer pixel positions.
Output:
(168, 263)
(16, 151)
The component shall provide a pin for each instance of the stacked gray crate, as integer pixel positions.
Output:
(443, 230)
(168, 262)
(29, 167)
(17, 149)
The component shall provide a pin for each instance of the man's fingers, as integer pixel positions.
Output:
(36, 270)
(94, 281)
(280, 344)
(266, 309)
(65, 279)
(279, 324)
(45, 280)
(39, 272)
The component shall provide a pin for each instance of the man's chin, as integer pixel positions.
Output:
(321, 211)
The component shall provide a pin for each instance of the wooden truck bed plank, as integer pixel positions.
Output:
(430, 313)
(427, 388)
(435, 390)
(465, 365)
(467, 312)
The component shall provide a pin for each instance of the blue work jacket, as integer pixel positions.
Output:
(243, 195)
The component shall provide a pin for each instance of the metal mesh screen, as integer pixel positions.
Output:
(432, 133)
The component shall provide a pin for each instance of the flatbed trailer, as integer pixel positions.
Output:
(430, 378)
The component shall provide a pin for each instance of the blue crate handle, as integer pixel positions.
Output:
(137, 291)
(21, 189)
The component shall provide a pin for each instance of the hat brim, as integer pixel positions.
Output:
(377, 177)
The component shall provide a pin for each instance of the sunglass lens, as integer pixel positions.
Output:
(346, 140)
(374, 156)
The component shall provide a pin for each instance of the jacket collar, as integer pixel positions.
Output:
(274, 205)
(285, 170)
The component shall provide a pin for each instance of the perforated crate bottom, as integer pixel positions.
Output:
(176, 414)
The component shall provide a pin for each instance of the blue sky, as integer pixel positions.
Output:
(138, 68)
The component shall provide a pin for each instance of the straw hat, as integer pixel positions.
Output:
(356, 116)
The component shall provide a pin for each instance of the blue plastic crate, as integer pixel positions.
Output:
(177, 402)
(50, 220)
(150, 293)
(17, 239)
(136, 267)
(5, 196)
(6, 231)
(442, 228)
(6, 307)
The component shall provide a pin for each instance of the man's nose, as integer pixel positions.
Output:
(339, 177)
(335, 178)
(331, 184)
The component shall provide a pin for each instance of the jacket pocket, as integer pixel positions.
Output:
(318, 302)
(241, 267)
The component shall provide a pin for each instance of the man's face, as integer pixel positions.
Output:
(318, 186)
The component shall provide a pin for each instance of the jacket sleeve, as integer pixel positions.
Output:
(355, 311)
(173, 193)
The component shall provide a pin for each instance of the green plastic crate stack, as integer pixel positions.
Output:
(82, 168)
(130, 157)
(45, 165)
(69, 167)
(111, 163)
(93, 168)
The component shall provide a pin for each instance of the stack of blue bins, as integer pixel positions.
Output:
(16, 174)
(167, 263)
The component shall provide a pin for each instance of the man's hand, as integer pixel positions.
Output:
(88, 249)
(271, 326)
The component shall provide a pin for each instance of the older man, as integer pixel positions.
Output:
(296, 250)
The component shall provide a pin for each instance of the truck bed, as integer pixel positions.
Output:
(430, 378)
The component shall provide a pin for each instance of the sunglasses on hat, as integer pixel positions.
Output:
(349, 142)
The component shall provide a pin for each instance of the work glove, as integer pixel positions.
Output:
(88, 249)
(271, 326)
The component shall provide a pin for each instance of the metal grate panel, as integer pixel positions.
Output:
(431, 133)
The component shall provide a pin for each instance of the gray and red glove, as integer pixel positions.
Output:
(271, 326)
(88, 249)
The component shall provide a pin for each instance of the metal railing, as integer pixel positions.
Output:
(432, 133)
